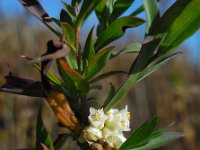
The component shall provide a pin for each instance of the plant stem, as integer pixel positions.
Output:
(77, 40)
(78, 52)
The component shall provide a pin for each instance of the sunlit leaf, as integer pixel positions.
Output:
(87, 7)
(67, 71)
(150, 69)
(178, 23)
(140, 135)
(88, 52)
(119, 7)
(106, 75)
(68, 32)
(135, 78)
(116, 30)
(160, 141)
(186, 24)
(98, 62)
(137, 11)
(70, 10)
(132, 48)
(152, 13)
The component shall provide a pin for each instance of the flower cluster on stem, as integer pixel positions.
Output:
(108, 126)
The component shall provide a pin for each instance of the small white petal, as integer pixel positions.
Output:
(118, 120)
(97, 118)
(92, 134)
(114, 138)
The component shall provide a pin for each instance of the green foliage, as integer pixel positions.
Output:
(87, 7)
(98, 62)
(145, 137)
(79, 68)
(152, 13)
(42, 136)
(116, 30)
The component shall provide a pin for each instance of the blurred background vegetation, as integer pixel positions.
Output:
(172, 92)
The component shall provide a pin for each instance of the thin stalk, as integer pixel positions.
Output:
(78, 52)
(77, 40)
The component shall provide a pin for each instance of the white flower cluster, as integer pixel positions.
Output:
(107, 126)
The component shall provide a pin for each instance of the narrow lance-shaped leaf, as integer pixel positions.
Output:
(65, 69)
(152, 13)
(42, 136)
(70, 10)
(150, 69)
(110, 94)
(116, 30)
(185, 25)
(106, 75)
(172, 20)
(135, 78)
(68, 32)
(120, 6)
(140, 135)
(100, 11)
(88, 53)
(87, 7)
(160, 141)
(137, 11)
(132, 48)
(98, 62)
(65, 17)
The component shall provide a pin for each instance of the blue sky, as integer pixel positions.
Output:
(12, 7)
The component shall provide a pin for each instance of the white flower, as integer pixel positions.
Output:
(118, 120)
(114, 138)
(97, 118)
(92, 134)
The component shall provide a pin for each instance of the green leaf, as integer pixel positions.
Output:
(116, 30)
(87, 7)
(137, 11)
(51, 76)
(98, 62)
(119, 7)
(68, 32)
(88, 52)
(140, 136)
(73, 76)
(65, 17)
(135, 78)
(150, 69)
(122, 92)
(68, 82)
(106, 75)
(152, 13)
(186, 24)
(177, 22)
(75, 2)
(132, 48)
(162, 140)
(42, 136)
(100, 11)
(70, 10)
(110, 94)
